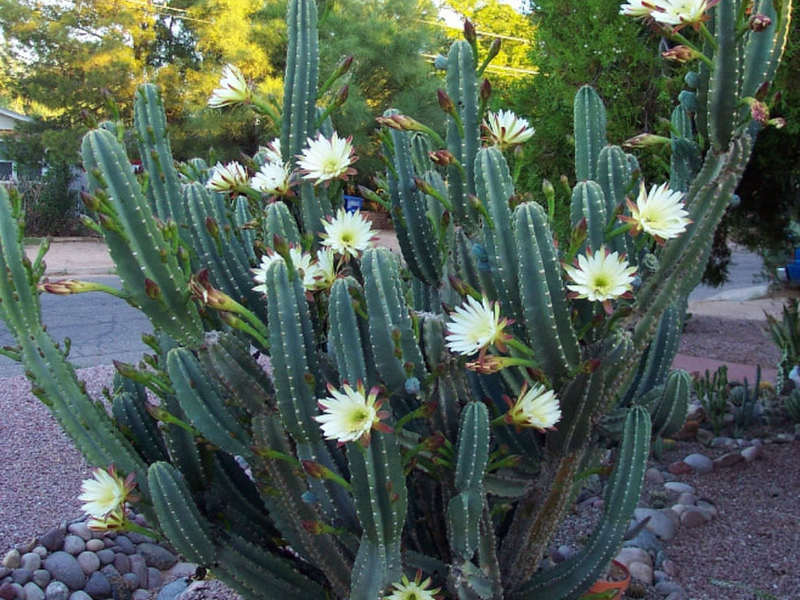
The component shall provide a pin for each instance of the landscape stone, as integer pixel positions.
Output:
(659, 576)
(679, 468)
(12, 559)
(89, 562)
(181, 570)
(81, 529)
(654, 475)
(140, 595)
(7, 591)
(693, 517)
(80, 595)
(4, 571)
(26, 547)
(172, 590)
(678, 487)
(687, 499)
(723, 442)
(110, 572)
(139, 567)
(728, 460)
(41, 551)
(679, 509)
(64, 567)
(641, 572)
(153, 578)
(95, 545)
(700, 463)
(667, 587)
(74, 544)
(33, 591)
(122, 563)
(131, 580)
(157, 556)
(123, 544)
(646, 540)
(707, 507)
(57, 591)
(138, 538)
(98, 586)
(663, 523)
(704, 436)
(751, 453)
(31, 561)
(54, 538)
(21, 576)
(633, 554)
(106, 556)
(41, 577)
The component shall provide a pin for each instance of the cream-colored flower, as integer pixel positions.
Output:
(272, 178)
(348, 234)
(111, 522)
(301, 261)
(350, 415)
(537, 407)
(322, 272)
(680, 12)
(105, 493)
(600, 277)
(232, 89)
(272, 151)
(659, 213)
(325, 159)
(475, 326)
(227, 178)
(506, 129)
(413, 590)
(636, 8)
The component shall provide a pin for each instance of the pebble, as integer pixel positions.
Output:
(641, 572)
(140, 595)
(26, 547)
(57, 591)
(7, 591)
(12, 559)
(687, 499)
(678, 487)
(654, 475)
(172, 590)
(704, 436)
(700, 463)
(751, 453)
(153, 578)
(41, 551)
(663, 523)
(182, 570)
(64, 567)
(139, 567)
(31, 561)
(707, 506)
(106, 555)
(21, 576)
(728, 460)
(646, 540)
(693, 517)
(89, 562)
(667, 587)
(123, 544)
(41, 577)
(54, 538)
(98, 586)
(157, 556)
(81, 530)
(95, 545)
(122, 563)
(74, 544)
(633, 554)
(4, 571)
(670, 568)
(80, 595)
(132, 580)
(723, 442)
(33, 591)
(679, 468)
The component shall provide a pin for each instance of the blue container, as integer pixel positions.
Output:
(353, 203)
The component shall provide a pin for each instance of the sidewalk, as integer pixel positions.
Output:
(89, 257)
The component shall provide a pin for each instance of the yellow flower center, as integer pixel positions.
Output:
(331, 165)
(601, 283)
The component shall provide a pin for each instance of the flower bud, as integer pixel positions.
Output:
(469, 32)
(151, 289)
(681, 54)
(494, 49)
(759, 22)
(485, 90)
(341, 96)
(445, 102)
(548, 190)
(643, 140)
(442, 158)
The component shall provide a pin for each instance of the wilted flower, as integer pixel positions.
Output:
(659, 213)
(227, 178)
(475, 326)
(759, 22)
(536, 407)
(232, 89)
(348, 234)
(106, 492)
(680, 53)
(326, 159)
(681, 12)
(600, 277)
(507, 129)
(413, 590)
(350, 415)
(272, 178)
(636, 8)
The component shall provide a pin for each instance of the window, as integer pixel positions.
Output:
(6, 170)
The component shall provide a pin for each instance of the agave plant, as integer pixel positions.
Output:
(341, 422)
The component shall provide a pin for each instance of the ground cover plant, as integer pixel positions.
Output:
(384, 445)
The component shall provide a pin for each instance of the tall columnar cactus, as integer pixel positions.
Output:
(323, 427)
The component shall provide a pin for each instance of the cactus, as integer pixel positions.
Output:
(329, 432)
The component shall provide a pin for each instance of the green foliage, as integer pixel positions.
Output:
(791, 405)
(712, 391)
(786, 336)
(746, 407)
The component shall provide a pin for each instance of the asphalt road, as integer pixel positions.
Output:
(102, 328)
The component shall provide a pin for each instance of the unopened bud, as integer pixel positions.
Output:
(548, 190)
(485, 91)
(212, 227)
(343, 66)
(341, 95)
(469, 32)
(494, 49)
(424, 187)
(681, 54)
(151, 289)
(445, 102)
(643, 140)
(759, 22)
(777, 122)
(442, 158)
(313, 469)
(92, 203)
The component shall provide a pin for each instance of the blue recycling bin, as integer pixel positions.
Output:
(353, 203)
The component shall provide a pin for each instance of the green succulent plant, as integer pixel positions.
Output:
(364, 446)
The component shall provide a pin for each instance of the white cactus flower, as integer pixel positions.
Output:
(301, 261)
(475, 326)
(348, 234)
(227, 178)
(322, 272)
(105, 493)
(325, 159)
(659, 213)
(636, 8)
(537, 407)
(272, 178)
(507, 129)
(351, 414)
(600, 277)
(680, 12)
(232, 89)
(272, 151)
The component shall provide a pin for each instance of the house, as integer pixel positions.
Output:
(8, 121)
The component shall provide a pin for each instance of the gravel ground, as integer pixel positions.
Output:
(736, 340)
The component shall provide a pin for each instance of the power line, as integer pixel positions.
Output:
(153, 8)
(491, 67)
(478, 31)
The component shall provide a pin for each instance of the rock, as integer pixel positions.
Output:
(695, 412)
(7, 591)
(41, 577)
(89, 562)
(12, 559)
(74, 544)
(81, 529)
(700, 463)
(181, 570)
(707, 507)
(138, 538)
(751, 453)
(122, 563)
(783, 438)
(26, 547)
(728, 460)
(94, 545)
(141, 595)
(31, 561)
(41, 551)
(80, 595)
(723, 442)
(687, 499)
(679, 468)
(645, 540)
(688, 431)
(704, 436)
(124, 545)
(57, 591)
(131, 580)
(21, 576)
(633, 554)
(153, 578)
(4, 572)
(172, 590)
(693, 517)
(110, 572)
(654, 475)
(33, 591)
(668, 587)
(106, 556)
(98, 586)
(139, 567)
(641, 572)
(663, 523)
(64, 567)
(54, 538)
(678, 509)
(678, 487)
(157, 556)
(659, 576)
